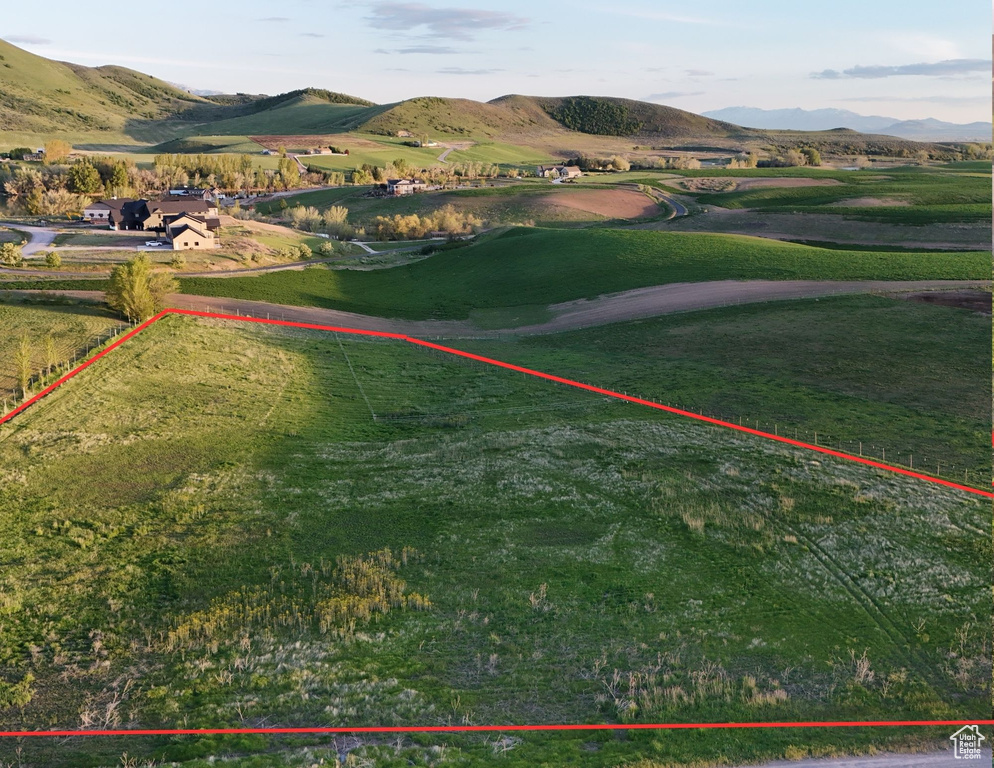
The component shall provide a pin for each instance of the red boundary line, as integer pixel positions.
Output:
(498, 728)
(493, 728)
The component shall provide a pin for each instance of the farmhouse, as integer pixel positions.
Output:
(405, 186)
(156, 212)
(558, 171)
(149, 214)
(100, 211)
(187, 232)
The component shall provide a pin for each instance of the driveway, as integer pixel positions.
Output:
(40, 238)
(572, 315)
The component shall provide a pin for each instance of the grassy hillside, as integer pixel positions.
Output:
(207, 511)
(457, 118)
(537, 266)
(624, 117)
(40, 96)
(901, 377)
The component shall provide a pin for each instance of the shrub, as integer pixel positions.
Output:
(52, 259)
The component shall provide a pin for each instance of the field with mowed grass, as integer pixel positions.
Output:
(231, 525)
(535, 266)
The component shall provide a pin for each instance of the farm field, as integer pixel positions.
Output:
(553, 557)
(529, 266)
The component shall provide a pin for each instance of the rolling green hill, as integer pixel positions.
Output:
(530, 266)
(40, 96)
(100, 107)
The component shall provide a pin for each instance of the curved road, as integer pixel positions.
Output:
(571, 315)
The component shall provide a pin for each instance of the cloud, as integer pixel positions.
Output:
(935, 69)
(311, 34)
(420, 49)
(671, 95)
(275, 19)
(28, 39)
(452, 23)
(461, 71)
(698, 73)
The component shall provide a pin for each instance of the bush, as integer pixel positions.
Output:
(52, 259)
(10, 255)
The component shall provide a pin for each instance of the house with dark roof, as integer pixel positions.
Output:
(156, 211)
(99, 212)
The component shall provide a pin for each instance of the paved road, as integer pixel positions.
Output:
(932, 760)
(630, 305)
(445, 154)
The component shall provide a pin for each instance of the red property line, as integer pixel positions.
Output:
(512, 367)
(500, 728)
(491, 728)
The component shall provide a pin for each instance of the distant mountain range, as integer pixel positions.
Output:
(928, 129)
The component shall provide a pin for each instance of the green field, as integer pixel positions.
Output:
(554, 558)
(533, 266)
(907, 195)
(73, 328)
(894, 379)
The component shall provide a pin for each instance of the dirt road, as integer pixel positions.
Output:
(613, 308)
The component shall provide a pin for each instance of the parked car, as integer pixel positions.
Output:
(152, 243)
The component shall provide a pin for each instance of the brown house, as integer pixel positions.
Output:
(156, 212)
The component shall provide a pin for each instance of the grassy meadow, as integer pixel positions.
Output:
(72, 328)
(533, 266)
(895, 379)
(907, 195)
(361, 532)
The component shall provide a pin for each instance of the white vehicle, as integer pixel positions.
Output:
(152, 243)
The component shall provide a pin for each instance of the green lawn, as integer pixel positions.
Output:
(179, 514)
(533, 266)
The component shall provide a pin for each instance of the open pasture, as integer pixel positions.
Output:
(207, 513)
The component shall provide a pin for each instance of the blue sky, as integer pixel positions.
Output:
(903, 58)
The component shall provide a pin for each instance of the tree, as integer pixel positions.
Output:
(138, 292)
(22, 361)
(10, 255)
(83, 178)
(118, 181)
(52, 259)
(620, 164)
(51, 353)
(57, 150)
(18, 153)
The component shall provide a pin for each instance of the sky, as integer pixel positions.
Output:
(907, 59)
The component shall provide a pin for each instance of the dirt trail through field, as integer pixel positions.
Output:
(629, 305)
